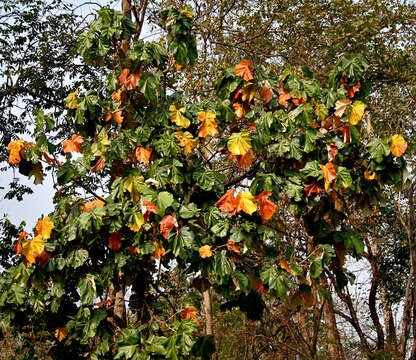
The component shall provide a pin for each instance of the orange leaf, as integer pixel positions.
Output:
(159, 250)
(284, 95)
(61, 333)
(92, 204)
(209, 125)
(99, 165)
(14, 147)
(238, 110)
(123, 76)
(267, 94)
(116, 95)
(312, 188)
(133, 250)
(398, 145)
(243, 70)
(73, 144)
(227, 202)
(285, 265)
(260, 287)
(132, 80)
(267, 207)
(332, 151)
(18, 246)
(329, 173)
(190, 313)
(44, 228)
(205, 251)
(143, 154)
(118, 117)
(114, 241)
(244, 161)
(233, 246)
(166, 225)
(150, 208)
(301, 101)
(351, 89)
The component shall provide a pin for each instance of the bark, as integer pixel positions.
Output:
(335, 350)
(390, 345)
(117, 293)
(208, 313)
(410, 296)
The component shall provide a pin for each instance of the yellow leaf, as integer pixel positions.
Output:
(341, 106)
(369, 176)
(209, 126)
(178, 118)
(44, 228)
(186, 140)
(205, 251)
(245, 202)
(239, 143)
(159, 250)
(135, 186)
(357, 112)
(32, 248)
(138, 221)
(186, 12)
(248, 93)
(14, 147)
(71, 101)
(398, 145)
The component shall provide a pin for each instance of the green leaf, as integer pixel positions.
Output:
(87, 289)
(312, 169)
(77, 258)
(149, 86)
(181, 240)
(65, 173)
(378, 148)
(316, 267)
(344, 177)
(164, 200)
(188, 211)
(222, 266)
(220, 229)
(147, 248)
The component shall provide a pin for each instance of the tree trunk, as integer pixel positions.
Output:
(335, 350)
(390, 345)
(208, 313)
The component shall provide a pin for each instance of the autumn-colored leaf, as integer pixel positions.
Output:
(341, 106)
(92, 204)
(284, 96)
(118, 117)
(209, 126)
(351, 89)
(233, 246)
(61, 333)
(14, 148)
(190, 313)
(114, 241)
(267, 94)
(143, 154)
(205, 251)
(267, 208)
(239, 143)
(238, 110)
(73, 144)
(285, 265)
(116, 95)
(245, 202)
(346, 133)
(186, 140)
(166, 225)
(227, 202)
(37, 173)
(244, 161)
(43, 258)
(300, 101)
(329, 174)
(32, 248)
(133, 250)
(71, 101)
(105, 302)
(123, 76)
(177, 116)
(147, 208)
(312, 189)
(99, 165)
(260, 287)
(44, 228)
(248, 92)
(18, 246)
(332, 151)
(133, 80)
(137, 222)
(398, 145)
(357, 112)
(159, 250)
(244, 71)
(369, 176)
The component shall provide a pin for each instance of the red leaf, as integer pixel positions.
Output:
(243, 70)
(233, 246)
(18, 246)
(260, 287)
(114, 241)
(244, 160)
(99, 165)
(332, 151)
(43, 258)
(351, 89)
(267, 207)
(346, 133)
(312, 188)
(150, 208)
(166, 225)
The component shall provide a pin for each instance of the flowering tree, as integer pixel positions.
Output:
(207, 185)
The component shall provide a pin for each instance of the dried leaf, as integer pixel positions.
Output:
(205, 251)
(14, 148)
(267, 94)
(284, 96)
(92, 204)
(227, 202)
(238, 110)
(209, 126)
(99, 165)
(37, 173)
(244, 71)
(233, 246)
(114, 241)
(166, 225)
(312, 189)
(159, 250)
(398, 145)
(61, 333)
(341, 106)
(143, 154)
(267, 207)
(73, 144)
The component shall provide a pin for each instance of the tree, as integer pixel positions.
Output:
(173, 176)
